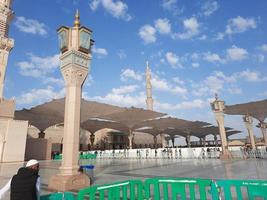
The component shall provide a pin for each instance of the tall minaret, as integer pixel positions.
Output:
(149, 99)
(6, 44)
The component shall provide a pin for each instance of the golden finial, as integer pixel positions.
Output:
(77, 19)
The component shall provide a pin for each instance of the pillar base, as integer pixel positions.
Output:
(225, 156)
(63, 183)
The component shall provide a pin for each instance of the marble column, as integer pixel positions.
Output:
(204, 141)
(163, 141)
(92, 140)
(130, 138)
(215, 140)
(75, 46)
(155, 141)
(188, 140)
(173, 140)
(218, 109)
(249, 123)
(263, 126)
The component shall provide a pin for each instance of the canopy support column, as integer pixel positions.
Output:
(263, 127)
(218, 109)
(248, 123)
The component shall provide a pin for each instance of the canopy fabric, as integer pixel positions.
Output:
(52, 113)
(163, 123)
(94, 125)
(257, 109)
(131, 117)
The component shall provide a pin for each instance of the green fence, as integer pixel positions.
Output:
(58, 196)
(239, 189)
(177, 188)
(132, 189)
(83, 156)
(171, 188)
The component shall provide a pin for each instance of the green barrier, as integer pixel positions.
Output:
(239, 189)
(58, 196)
(88, 156)
(172, 188)
(58, 157)
(132, 189)
(84, 156)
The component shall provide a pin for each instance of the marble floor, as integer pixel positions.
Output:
(110, 170)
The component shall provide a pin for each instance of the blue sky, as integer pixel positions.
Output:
(195, 48)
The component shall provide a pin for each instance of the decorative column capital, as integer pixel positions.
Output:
(217, 105)
(247, 119)
(262, 125)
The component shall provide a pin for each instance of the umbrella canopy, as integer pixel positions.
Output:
(40, 121)
(236, 143)
(257, 109)
(131, 117)
(93, 125)
(51, 113)
(232, 132)
(164, 123)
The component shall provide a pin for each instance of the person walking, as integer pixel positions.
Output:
(25, 184)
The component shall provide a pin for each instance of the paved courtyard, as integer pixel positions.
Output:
(110, 170)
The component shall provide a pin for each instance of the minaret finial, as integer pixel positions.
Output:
(216, 96)
(77, 19)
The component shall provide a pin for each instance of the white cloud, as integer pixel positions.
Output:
(163, 26)
(196, 103)
(203, 37)
(38, 96)
(162, 85)
(122, 55)
(173, 59)
(89, 81)
(235, 90)
(172, 6)
(195, 65)
(178, 80)
(125, 89)
(214, 83)
(209, 7)
(117, 9)
(239, 25)
(264, 47)
(251, 76)
(30, 26)
(218, 82)
(212, 58)
(219, 36)
(53, 80)
(148, 34)
(38, 66)
(125, 100)
(130, 74)
(100, 52)
(195, 56)
(191, 27)
(261, 58)
(235, 53)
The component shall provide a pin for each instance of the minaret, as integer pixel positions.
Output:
(6, 44)
(149, 99)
